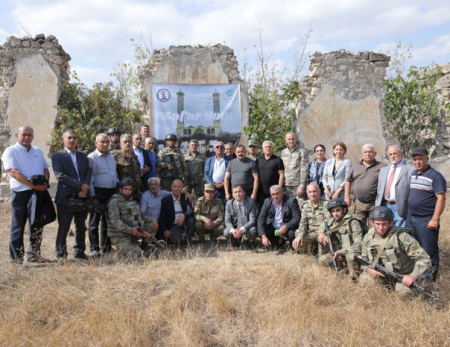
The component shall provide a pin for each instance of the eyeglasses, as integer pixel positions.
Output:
(222, 147)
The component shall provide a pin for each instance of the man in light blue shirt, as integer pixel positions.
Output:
(103, 186)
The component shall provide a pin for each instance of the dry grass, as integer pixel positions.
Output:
(222, 298)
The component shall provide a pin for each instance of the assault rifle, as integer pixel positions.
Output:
(396, 277)
(152, 239)
(330, 244)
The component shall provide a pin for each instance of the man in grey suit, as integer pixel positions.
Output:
(73, 172)
(393, 185)
(240, 217)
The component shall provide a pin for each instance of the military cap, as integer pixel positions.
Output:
(210, 186)
(252, 143)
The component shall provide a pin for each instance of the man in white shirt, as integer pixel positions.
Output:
(22, 161)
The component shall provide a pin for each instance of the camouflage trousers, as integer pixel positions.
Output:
(166, 183)
(310, 244)
(201, 231)
(400, 288)
(198, 188)
(127, 247)
(344, 261)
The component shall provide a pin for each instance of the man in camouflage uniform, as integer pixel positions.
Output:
(114, 136)
(313, 212)
(127, 224)
(171, 162)
(346, 236)
(209, 215)
(395, 249)
(295, 159)
(127, 164)
(195, 166)
(252, 150)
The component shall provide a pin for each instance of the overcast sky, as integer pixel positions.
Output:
(96, 33)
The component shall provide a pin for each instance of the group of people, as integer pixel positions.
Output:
(284, 200)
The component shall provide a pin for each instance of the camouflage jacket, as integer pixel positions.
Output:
(129, 167)
(402, 253)
(252, 157)
(195, 167)
(165, 157)
(295, 166)
(113, 147)
(121, 213)
(348, 237)
(312, 217)
(214, 212)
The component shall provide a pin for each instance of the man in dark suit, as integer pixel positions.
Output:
(73, 172)
(176, 212)
(240, 217)
(393, 185)
(144, 159)
(279, 218)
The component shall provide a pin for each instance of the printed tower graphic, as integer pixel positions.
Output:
(215, 130)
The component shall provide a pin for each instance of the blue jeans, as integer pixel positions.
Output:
(428, 239)
(398, 221)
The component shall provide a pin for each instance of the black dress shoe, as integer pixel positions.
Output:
(81, 256)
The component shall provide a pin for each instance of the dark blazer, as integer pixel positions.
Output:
(401, 188)
(147, 162)
(231, 213)
(167, 215)
(291, 214)
(65, 173)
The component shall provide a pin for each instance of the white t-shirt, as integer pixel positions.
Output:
(29, 163)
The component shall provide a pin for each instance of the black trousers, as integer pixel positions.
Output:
(104, 243)
(19, 203)
(277, 241)
(64, 219)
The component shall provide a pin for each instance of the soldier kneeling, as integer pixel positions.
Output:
(346, 236)
(395, 249)
(209, 214)
(127, 224)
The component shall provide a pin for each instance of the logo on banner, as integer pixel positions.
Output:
(230, 92)
(163, 95)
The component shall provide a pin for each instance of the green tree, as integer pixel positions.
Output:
(92, 111)
(412, 108)
(272, 94)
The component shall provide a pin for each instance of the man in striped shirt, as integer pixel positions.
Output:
(425, 205)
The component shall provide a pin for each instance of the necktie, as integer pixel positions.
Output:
(239, 217)
(387, 191)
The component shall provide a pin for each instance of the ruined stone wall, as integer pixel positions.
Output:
(441, 158)
(192, 65)
(342, 100)
(32, 76)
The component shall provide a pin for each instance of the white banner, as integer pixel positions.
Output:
(206, 112)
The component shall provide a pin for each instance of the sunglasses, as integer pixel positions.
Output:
(220, 147)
